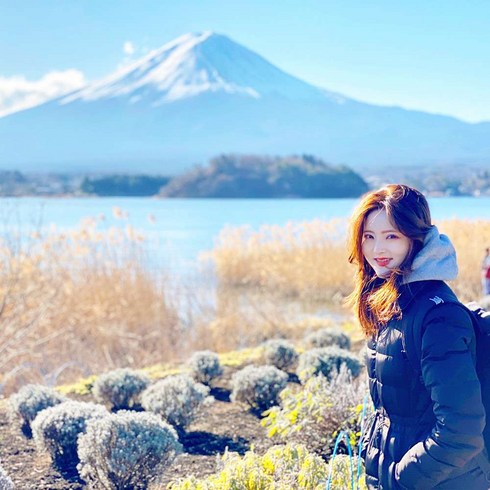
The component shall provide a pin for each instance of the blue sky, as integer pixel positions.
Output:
(431, 55)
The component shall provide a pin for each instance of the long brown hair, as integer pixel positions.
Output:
(375, 300)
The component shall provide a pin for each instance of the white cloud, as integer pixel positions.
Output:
(17, 93)
(129, 48)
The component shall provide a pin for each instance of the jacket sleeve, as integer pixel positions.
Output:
(448, 371)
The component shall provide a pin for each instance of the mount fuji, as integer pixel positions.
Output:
(203, 94)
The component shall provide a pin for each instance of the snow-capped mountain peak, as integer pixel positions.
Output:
(203, 94)
(193, 64)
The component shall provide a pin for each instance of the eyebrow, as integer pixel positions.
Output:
(384, 231)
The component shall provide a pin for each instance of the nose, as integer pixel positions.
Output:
(379, 246)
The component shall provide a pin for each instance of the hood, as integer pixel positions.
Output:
(435, 261)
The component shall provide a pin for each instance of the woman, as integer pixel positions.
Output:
(427, 430)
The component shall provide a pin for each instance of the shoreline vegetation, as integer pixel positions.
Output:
(253, 176)
(77, 306)
(81, 302)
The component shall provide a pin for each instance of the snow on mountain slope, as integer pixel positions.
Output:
(204, 94)
(196, 63)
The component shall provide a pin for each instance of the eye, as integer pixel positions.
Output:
(367, 236)
(392, 236)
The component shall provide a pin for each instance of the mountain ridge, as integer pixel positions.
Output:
(203, 94)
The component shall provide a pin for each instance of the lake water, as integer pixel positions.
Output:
(179, 229)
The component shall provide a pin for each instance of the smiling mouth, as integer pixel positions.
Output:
(383, 262)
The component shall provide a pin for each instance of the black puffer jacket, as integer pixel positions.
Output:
(426, 430)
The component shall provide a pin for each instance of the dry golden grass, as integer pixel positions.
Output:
(79, 302)
(269, 278)
(246, 316)
(470, 238)
(306, 260)
(309, 260)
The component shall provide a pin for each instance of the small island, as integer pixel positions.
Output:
(252, 176)
(257, 176)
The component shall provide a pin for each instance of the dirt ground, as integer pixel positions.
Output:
(221, 425)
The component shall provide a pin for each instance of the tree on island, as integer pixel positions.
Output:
(123, 185)
(258, 176)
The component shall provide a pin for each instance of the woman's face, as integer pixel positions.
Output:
(383, 245)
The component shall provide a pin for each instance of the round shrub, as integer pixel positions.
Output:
(326, 361)
(127, 450)
(176, 398)
(327, 337)
(279, 353)
(30, 400)
(258, 386)
(56, 430)
(205, 366)
(5, 481)
(120, 388)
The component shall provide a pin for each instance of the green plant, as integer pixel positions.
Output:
(341, 469)
(176, 398)
(120, 388)
(315, 412)
(57, 428)
(326, 360)
(280, 468)
(205, 366)
(258, 386)
(126, 451)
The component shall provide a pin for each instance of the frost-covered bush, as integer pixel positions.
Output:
(281, 467)
(327, 337)
(127, 450)
(363, 354)
(205, 366)
(176, 398)
(326, 360)
(56, 430)
(316, 412)
(341, 470)
(5, 481)
(30, 400)
(258, 386)
(279, 353)
(120, 388)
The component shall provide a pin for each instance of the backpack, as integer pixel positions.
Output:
(428, 298)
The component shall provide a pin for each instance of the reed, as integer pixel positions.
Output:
(470, 238)
(306, 260)
(80, 302)
(86, 301)
(309, 260)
